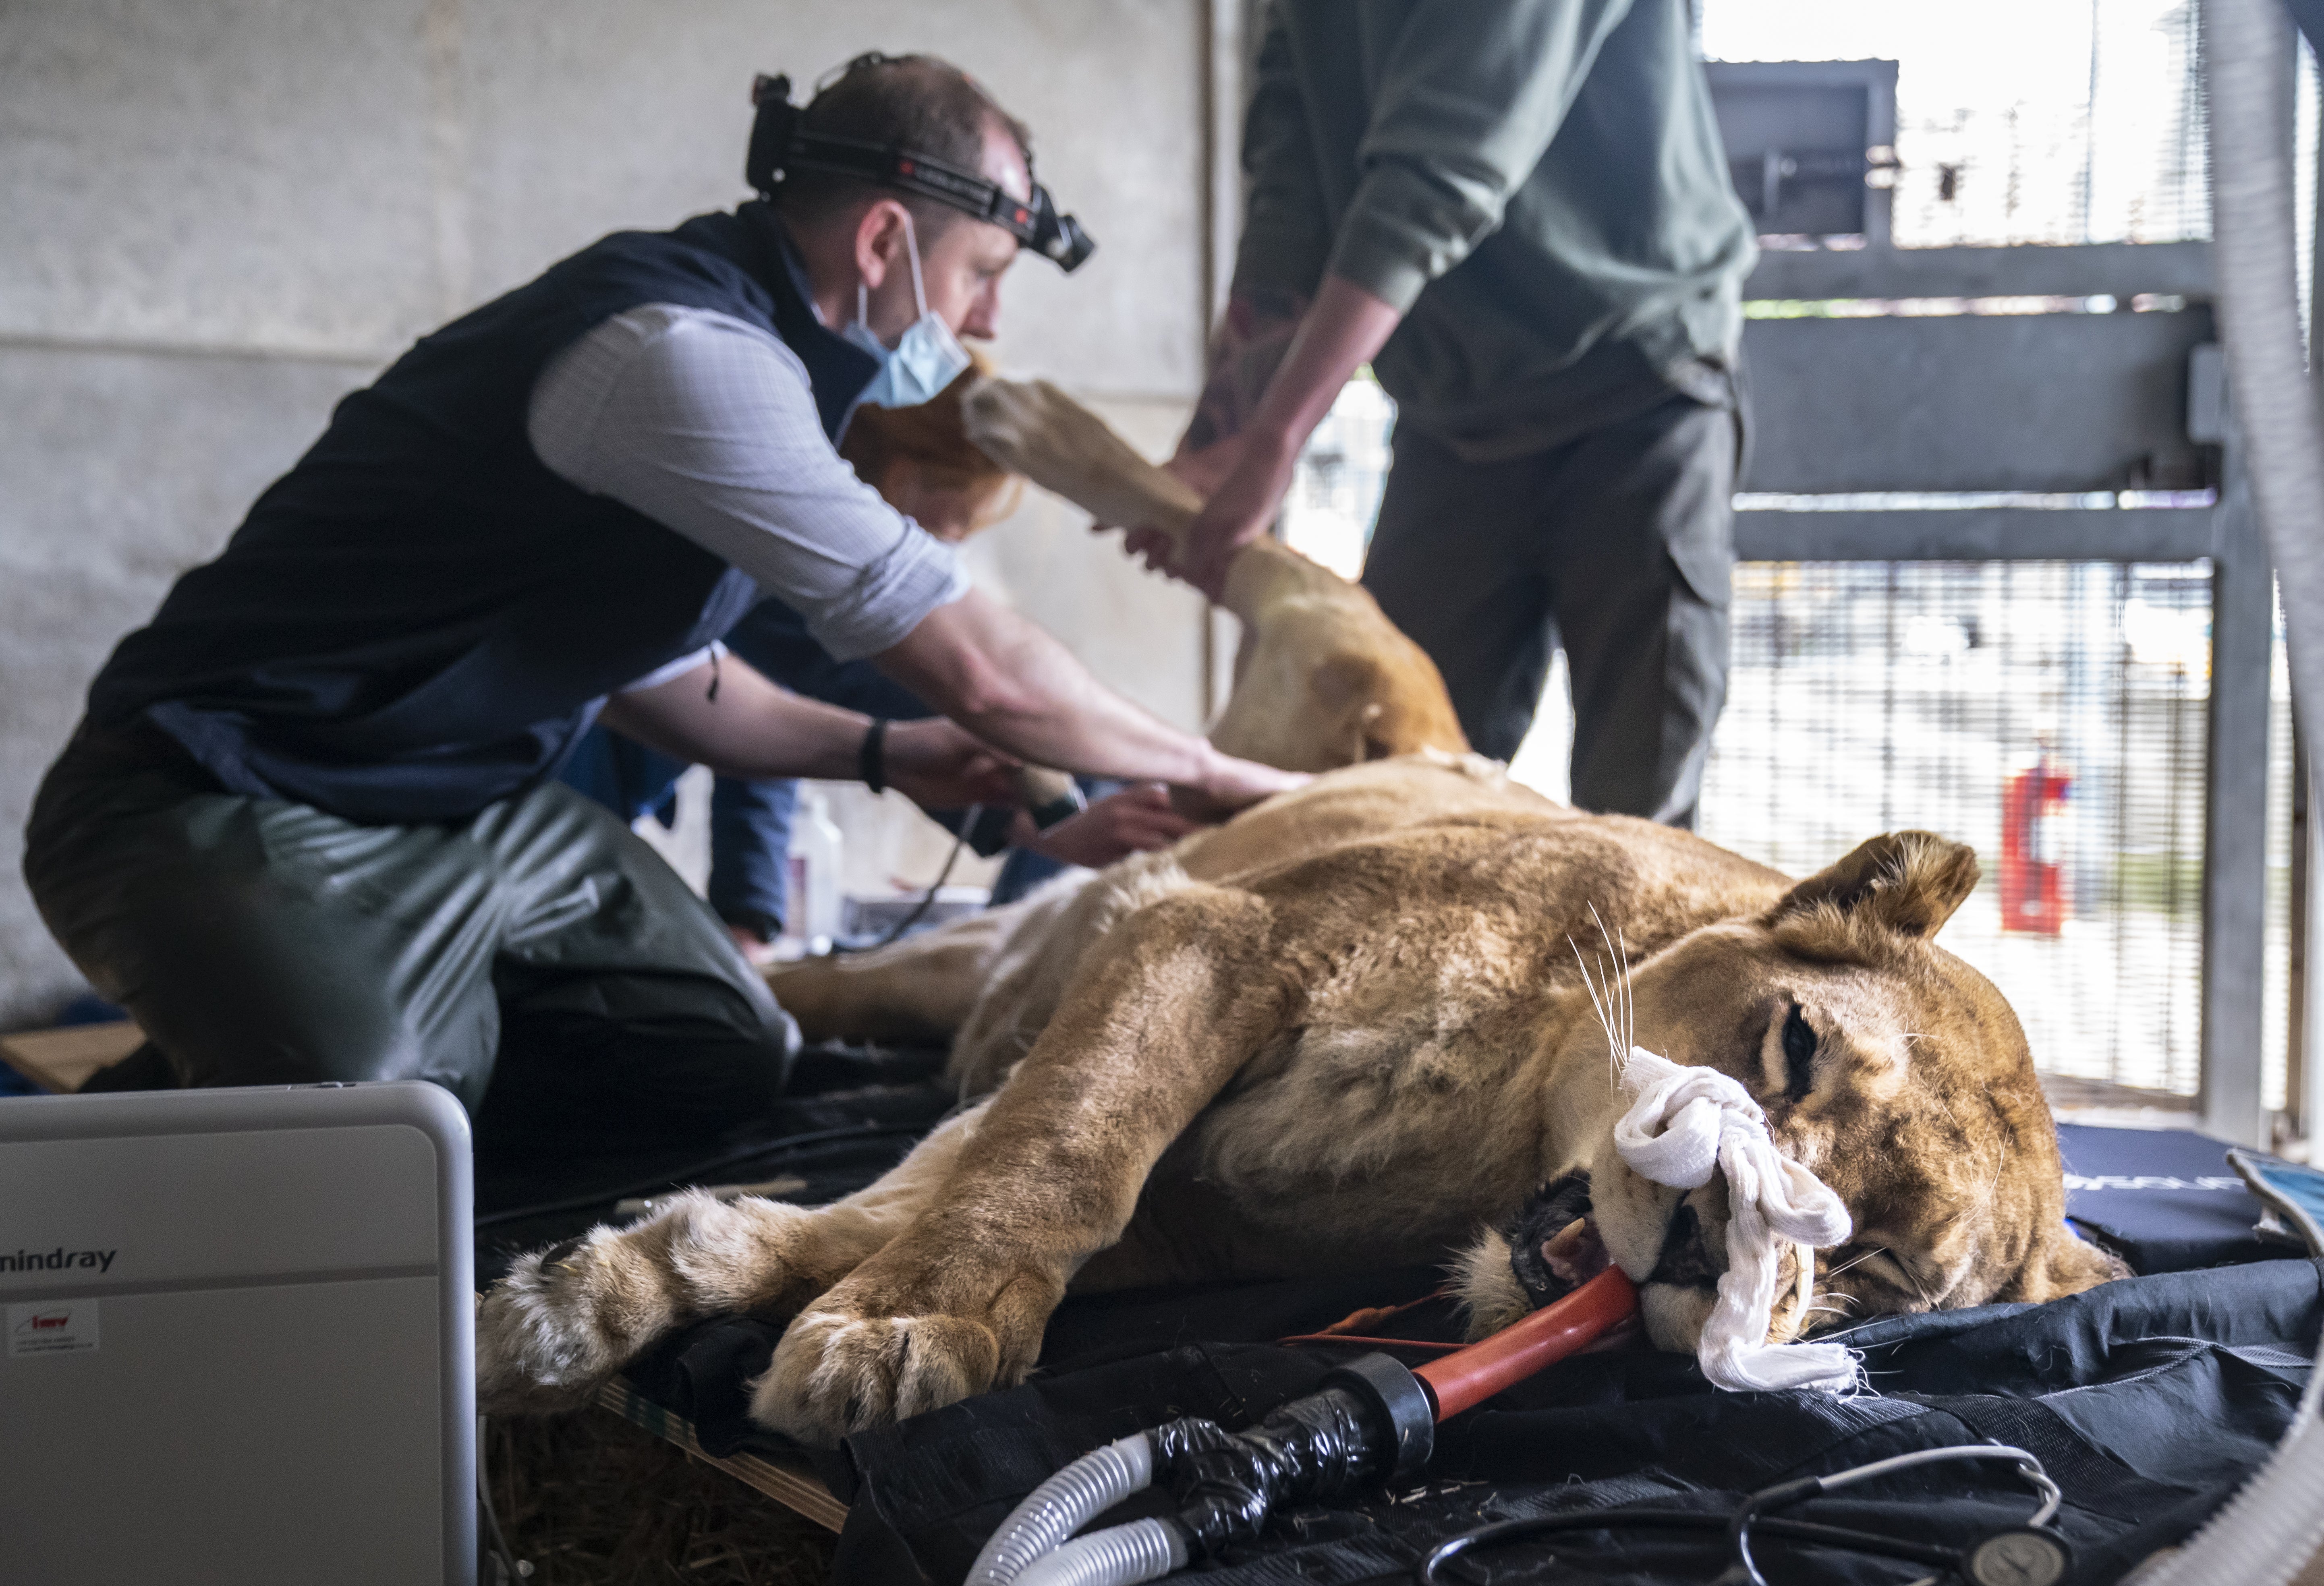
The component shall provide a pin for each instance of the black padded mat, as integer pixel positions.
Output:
(2163, 1199)
(2149, 1400)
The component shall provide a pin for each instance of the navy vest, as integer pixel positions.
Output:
(420, 618)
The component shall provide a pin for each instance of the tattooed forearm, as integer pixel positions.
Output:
(1245, 351)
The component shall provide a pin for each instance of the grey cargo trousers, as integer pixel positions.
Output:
(538, 952)
(1621, 546)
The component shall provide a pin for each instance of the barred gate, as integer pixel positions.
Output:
(2051, 715)
(2066, 581)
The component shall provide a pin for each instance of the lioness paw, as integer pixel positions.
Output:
(540, 1345)
(835, 1373)
(565, 1320)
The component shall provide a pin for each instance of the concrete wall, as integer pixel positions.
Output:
(223, 214)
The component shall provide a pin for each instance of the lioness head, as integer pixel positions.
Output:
(1887, 1065)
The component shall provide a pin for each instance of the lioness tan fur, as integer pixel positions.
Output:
(1321, 678)
(1345, 1031)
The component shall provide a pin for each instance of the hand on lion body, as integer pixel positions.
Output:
(1344, 1031)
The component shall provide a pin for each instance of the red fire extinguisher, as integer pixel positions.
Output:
(2034, 847)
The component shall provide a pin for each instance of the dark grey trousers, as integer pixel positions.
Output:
(1620, 546)
(539, 947)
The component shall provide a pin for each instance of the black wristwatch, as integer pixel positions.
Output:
(1063, 807)
(871, 757)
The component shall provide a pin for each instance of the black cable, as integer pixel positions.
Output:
(1752, 1513)
(1745, 1571)
(1739, 1528)
(1921, 1552)
(513, 1571)
(682, 1175)
(928, 897)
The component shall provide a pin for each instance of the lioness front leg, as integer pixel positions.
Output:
(1157, 1018)
(564, 1321)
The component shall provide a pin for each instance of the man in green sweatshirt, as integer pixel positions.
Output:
(1518, 212)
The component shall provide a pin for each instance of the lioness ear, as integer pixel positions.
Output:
(1909, 881)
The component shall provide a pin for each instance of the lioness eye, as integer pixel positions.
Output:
(1799, 1055)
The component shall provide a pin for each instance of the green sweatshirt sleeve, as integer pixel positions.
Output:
(1286, 232)
(1471, 97)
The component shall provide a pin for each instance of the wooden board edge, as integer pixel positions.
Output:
(60, 1061)
(791, 1483)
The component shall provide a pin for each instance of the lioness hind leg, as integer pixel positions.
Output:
(1163, 1013)
(918, 990)
(563, 1322)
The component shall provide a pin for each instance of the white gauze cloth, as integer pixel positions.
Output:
(1686, 1124)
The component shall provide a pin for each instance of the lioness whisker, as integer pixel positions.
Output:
(1621, 978)
(1629, 990)
(1617, 1014)
(1599, 1007)
(1866, 1256)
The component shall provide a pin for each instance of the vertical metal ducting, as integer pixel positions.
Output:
(2273, 1527)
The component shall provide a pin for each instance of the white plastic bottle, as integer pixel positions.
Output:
(811, 911)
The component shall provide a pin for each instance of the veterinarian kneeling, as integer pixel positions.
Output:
(309, 829)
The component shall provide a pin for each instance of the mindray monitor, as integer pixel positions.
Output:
(237, 1337)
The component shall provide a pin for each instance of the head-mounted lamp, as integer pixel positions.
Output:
(778, 144)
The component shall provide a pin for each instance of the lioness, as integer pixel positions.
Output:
(1349, 1030)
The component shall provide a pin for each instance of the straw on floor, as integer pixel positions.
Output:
(592, 1500)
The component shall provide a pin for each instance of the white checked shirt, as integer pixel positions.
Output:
(708, 425)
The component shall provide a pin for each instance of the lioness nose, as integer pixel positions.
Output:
(1686, 1258)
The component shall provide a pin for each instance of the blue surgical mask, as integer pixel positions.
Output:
(923, 362)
